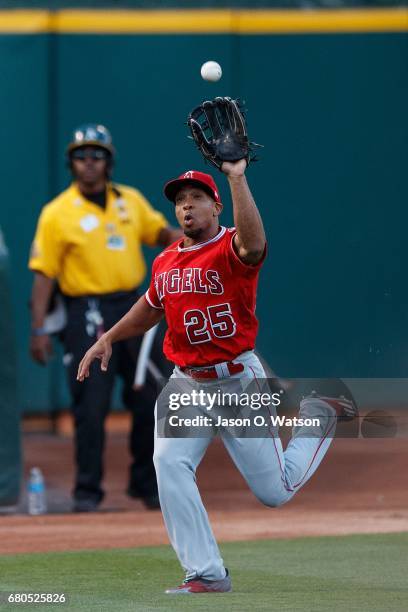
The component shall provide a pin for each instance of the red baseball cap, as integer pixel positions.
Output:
(200, 179)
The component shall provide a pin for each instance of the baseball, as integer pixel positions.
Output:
(211, 71)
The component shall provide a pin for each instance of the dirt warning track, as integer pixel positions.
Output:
(358, 488)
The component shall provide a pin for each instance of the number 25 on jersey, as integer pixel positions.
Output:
(217, 322)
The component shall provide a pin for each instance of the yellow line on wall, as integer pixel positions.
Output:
(201, 21)
(146, 22)
(24, 22)
(290, 22)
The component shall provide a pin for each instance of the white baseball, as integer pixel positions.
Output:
(211, 71)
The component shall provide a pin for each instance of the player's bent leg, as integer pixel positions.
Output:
(260, 463)
(309, 445)
(259, 460)
(185, 517)
(274, 475)
(279, 474)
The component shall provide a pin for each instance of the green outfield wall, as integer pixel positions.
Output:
(330, 107)
(10, 446)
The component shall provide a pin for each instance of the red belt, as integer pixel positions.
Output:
(211, 372)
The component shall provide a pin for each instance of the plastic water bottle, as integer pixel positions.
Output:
(37, 501)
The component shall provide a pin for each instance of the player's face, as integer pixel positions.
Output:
(196, 212)
(89, 165)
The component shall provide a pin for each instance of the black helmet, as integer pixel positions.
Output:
(91, 134)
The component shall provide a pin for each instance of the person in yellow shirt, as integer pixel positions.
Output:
(88, 240)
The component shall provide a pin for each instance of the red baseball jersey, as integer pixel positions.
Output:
(208, 295)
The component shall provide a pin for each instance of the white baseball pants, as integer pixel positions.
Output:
(273, 476)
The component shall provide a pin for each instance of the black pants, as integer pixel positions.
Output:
(91, 399)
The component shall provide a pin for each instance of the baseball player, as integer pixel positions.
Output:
(205, 286)
(89, 239)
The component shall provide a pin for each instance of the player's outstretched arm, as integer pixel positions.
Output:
(136, 322)
(250, 237)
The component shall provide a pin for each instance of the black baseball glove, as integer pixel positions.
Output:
(219, 130)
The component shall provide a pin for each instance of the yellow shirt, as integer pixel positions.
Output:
(91, 250)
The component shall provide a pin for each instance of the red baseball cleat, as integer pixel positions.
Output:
(345, 409)
(201, 585)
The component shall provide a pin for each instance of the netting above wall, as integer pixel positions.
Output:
(188, 4)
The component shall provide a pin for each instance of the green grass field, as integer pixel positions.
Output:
(364, 573)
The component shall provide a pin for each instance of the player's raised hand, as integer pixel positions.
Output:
(102, 349)
(234, 168)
